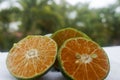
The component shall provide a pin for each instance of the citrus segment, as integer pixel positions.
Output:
(31, 57)
(63, 34)
(83, 59)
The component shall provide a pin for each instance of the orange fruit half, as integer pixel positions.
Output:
(83, 59)
(31, 57)
(63, 34)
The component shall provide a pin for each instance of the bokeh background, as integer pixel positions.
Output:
(19, 18)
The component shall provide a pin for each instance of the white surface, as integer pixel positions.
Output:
(112, 52)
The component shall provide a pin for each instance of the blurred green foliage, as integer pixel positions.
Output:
(46, 16)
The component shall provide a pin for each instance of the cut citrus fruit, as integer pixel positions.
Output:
(61, 35)
(31, 57)
(83, 59)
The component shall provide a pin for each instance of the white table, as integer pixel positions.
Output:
(113, 54)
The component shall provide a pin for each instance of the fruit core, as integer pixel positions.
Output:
(84, 58)
(32, 53)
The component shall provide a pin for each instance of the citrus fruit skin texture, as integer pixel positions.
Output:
(31, 57)
(83, 59)
(63, 34)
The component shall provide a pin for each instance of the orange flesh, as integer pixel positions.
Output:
(84, 60)
(61, 36)
(31, 56)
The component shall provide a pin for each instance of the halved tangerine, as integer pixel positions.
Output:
(31, 57)
(83, 59)
(63, 34)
